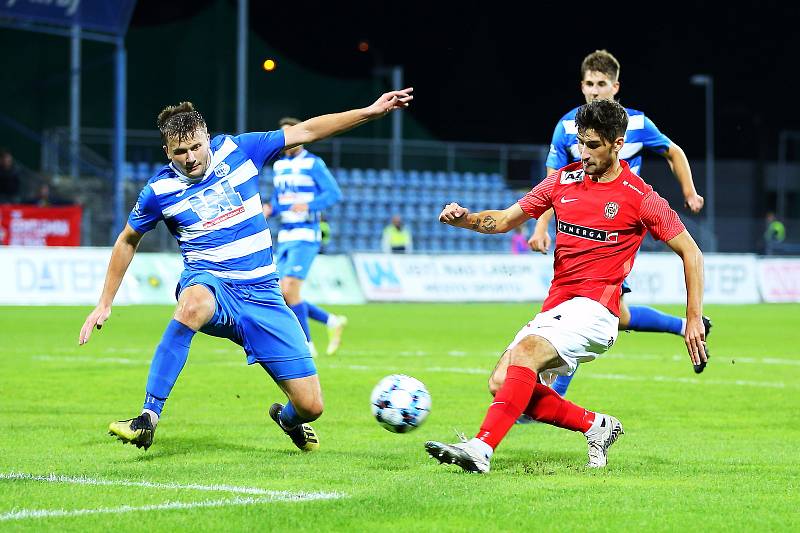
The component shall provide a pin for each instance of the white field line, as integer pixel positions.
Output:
(613, 377)
(263, 496)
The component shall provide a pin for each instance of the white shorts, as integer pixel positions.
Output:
(580, 329)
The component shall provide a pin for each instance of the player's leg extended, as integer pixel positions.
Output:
(528, 357)
(196, 306)
(643, 318)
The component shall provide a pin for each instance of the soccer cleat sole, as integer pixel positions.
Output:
(446, 454)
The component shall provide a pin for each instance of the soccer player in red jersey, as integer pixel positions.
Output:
(604, 211)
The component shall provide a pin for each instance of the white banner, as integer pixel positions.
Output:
(658, 279)
(332, 280)
(779, 279)
(75, 276)
(454, 278)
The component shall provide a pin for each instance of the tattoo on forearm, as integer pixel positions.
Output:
(489, 223)
(475, 224)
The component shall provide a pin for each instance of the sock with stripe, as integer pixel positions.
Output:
(508, 404)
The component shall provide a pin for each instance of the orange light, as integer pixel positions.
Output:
(363, 46)
(269, 65)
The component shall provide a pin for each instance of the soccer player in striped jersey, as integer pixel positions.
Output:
(208, 198)
(603, 211)
(302, 188)
(600, 80)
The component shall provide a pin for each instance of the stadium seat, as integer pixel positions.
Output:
(356, 177)
(143, 171)
(128, 171)
(342, 176)
(385, 178)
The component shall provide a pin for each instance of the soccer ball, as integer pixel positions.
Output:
(400, 403)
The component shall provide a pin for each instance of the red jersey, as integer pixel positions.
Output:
(600, 227)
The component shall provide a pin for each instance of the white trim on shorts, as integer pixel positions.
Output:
(580, 329)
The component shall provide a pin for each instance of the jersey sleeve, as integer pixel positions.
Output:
(540, 198)
(653, 138)
(329, 191)
(659, 218)
(146, 213)
(559, 151)
(261, 146)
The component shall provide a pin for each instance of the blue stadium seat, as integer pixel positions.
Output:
(356, 177)
(370, 176)
(142, 171)
(385, 178)
(128, 171)
(413, 178)
(427, 179)
(342, 176)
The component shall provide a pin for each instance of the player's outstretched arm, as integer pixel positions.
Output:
(324, 126)
(679, 164)
(121, 257)
(491, 221)
(683, 244)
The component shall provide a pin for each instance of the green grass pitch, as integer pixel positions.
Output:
(714, 452)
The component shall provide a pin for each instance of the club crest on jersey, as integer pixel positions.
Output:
(222, 170)
(612, 208)
(217, 203)
(572, 177)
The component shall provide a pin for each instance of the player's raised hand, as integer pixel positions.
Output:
(390, 101)
(96, 318)
(694, 202)
(695, 340)
(452, 214)
(540, 241)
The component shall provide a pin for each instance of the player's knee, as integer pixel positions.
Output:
(310, 409)
(195, 312)
(495, 382)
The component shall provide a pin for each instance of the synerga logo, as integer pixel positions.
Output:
(217, 203)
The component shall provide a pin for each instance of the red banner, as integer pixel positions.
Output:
(29, 225)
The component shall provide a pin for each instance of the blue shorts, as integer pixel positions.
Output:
(625, 287)
(256, 317)
(295, 258)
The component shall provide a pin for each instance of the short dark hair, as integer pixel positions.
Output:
(179, 122)
(601, 61)
(288, 121)
(606, 117)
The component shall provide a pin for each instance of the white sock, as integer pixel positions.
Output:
(153, 416)
(333, 321)
(683, 326)
(482, 447)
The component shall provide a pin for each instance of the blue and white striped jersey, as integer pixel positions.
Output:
(217, 219)
(302, 179)
(641, 134)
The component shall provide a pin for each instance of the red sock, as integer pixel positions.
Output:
(508, 404)
(548, 407)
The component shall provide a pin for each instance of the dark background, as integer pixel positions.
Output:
(491, 72)
(505, 72)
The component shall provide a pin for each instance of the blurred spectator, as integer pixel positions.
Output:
(397, 238)
(774, 234)
(325, 232)
(10, 178)
(45, 198)
(519, 243)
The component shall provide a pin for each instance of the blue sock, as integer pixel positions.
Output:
(317, 313)
(167, 364)
(649, 319)
(561, 384)
(289, 417)
(301, 311)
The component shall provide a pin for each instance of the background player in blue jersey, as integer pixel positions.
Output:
(303, 188)
(208, 198)
(600, 80)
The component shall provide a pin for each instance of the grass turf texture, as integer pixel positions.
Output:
(711, 452)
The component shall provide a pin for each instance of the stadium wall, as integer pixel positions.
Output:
(74, 276)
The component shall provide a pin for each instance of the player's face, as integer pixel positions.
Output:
(597, 154)
(191, 155)
(598, 86)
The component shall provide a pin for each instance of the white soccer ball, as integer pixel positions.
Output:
(400, 403)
